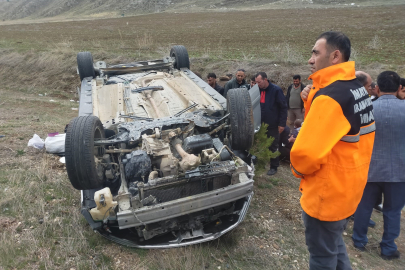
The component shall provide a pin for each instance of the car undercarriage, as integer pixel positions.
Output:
(160, 157)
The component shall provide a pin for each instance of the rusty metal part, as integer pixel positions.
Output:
(152, 102)
(153, 88)
(160, 150)
(188, 161)
(155, 147)
(118, 151)
(207, 155)
(170, 133)
(188, 130)
(217, 129)
(123, 197)
(153, 175)
(168, 165)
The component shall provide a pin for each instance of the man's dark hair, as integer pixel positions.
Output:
(362, 78)
(241, 69)
(211, 75)
(388, 81)
(338, 41)
(403, 82)
(297, 77)
(261, 73)
(253, 78)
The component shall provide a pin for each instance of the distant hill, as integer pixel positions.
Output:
(64, 9)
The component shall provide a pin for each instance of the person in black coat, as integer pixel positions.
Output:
(237, 82)
(212, 81)
(273, 112)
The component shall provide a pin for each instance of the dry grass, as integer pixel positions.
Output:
(40, 224)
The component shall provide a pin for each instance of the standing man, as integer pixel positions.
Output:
(332, 153)
(365, 80)
(368, 83)
(274, 113)
(212, 81)
(237, 82)
(294, 101)
(387, 173)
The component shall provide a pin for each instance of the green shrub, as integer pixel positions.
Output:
(260, 149)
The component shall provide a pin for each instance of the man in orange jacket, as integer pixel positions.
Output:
(332, 152)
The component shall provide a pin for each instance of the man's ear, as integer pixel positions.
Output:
(336, 57)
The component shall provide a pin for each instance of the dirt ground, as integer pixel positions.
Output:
(40, 222)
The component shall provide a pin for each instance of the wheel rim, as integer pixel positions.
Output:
(173, 55)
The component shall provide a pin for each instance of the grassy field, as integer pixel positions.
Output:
(276, 41)
(40, 223)
(376, 33)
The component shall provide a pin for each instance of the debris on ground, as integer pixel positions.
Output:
(55, 144)
(36, 142)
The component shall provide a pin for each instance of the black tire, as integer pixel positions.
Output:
(80, 154)
(179, 52)
(85, 65)
(239, 106)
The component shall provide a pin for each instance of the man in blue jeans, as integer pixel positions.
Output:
(387, 170)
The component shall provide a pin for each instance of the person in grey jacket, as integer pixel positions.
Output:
(237, 82)
(294, 102)
(387, 171)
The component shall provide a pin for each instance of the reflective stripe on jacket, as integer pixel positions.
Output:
(333, 149)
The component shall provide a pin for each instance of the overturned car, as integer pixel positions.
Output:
(160, 157)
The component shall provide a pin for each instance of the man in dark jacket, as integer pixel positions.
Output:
(237, 82)
(212, 81)
(294, 101)
(274, 113)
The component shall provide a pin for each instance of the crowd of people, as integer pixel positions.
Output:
(342, 135)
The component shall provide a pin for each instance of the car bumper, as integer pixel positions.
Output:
(186, 239)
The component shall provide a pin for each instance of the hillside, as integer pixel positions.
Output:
(82, 9)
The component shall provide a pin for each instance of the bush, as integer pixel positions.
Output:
(260, 149)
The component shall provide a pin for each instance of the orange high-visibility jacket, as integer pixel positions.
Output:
(333, 149)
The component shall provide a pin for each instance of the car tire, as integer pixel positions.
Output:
(180, 54)
(239, 107)
(85, 65)
(80, 154)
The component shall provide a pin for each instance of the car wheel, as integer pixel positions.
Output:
(239, 107)
(83, 161)
(85, 65)
(180, 54)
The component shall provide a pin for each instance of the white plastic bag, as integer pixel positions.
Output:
(55, 144)
(36, 142)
